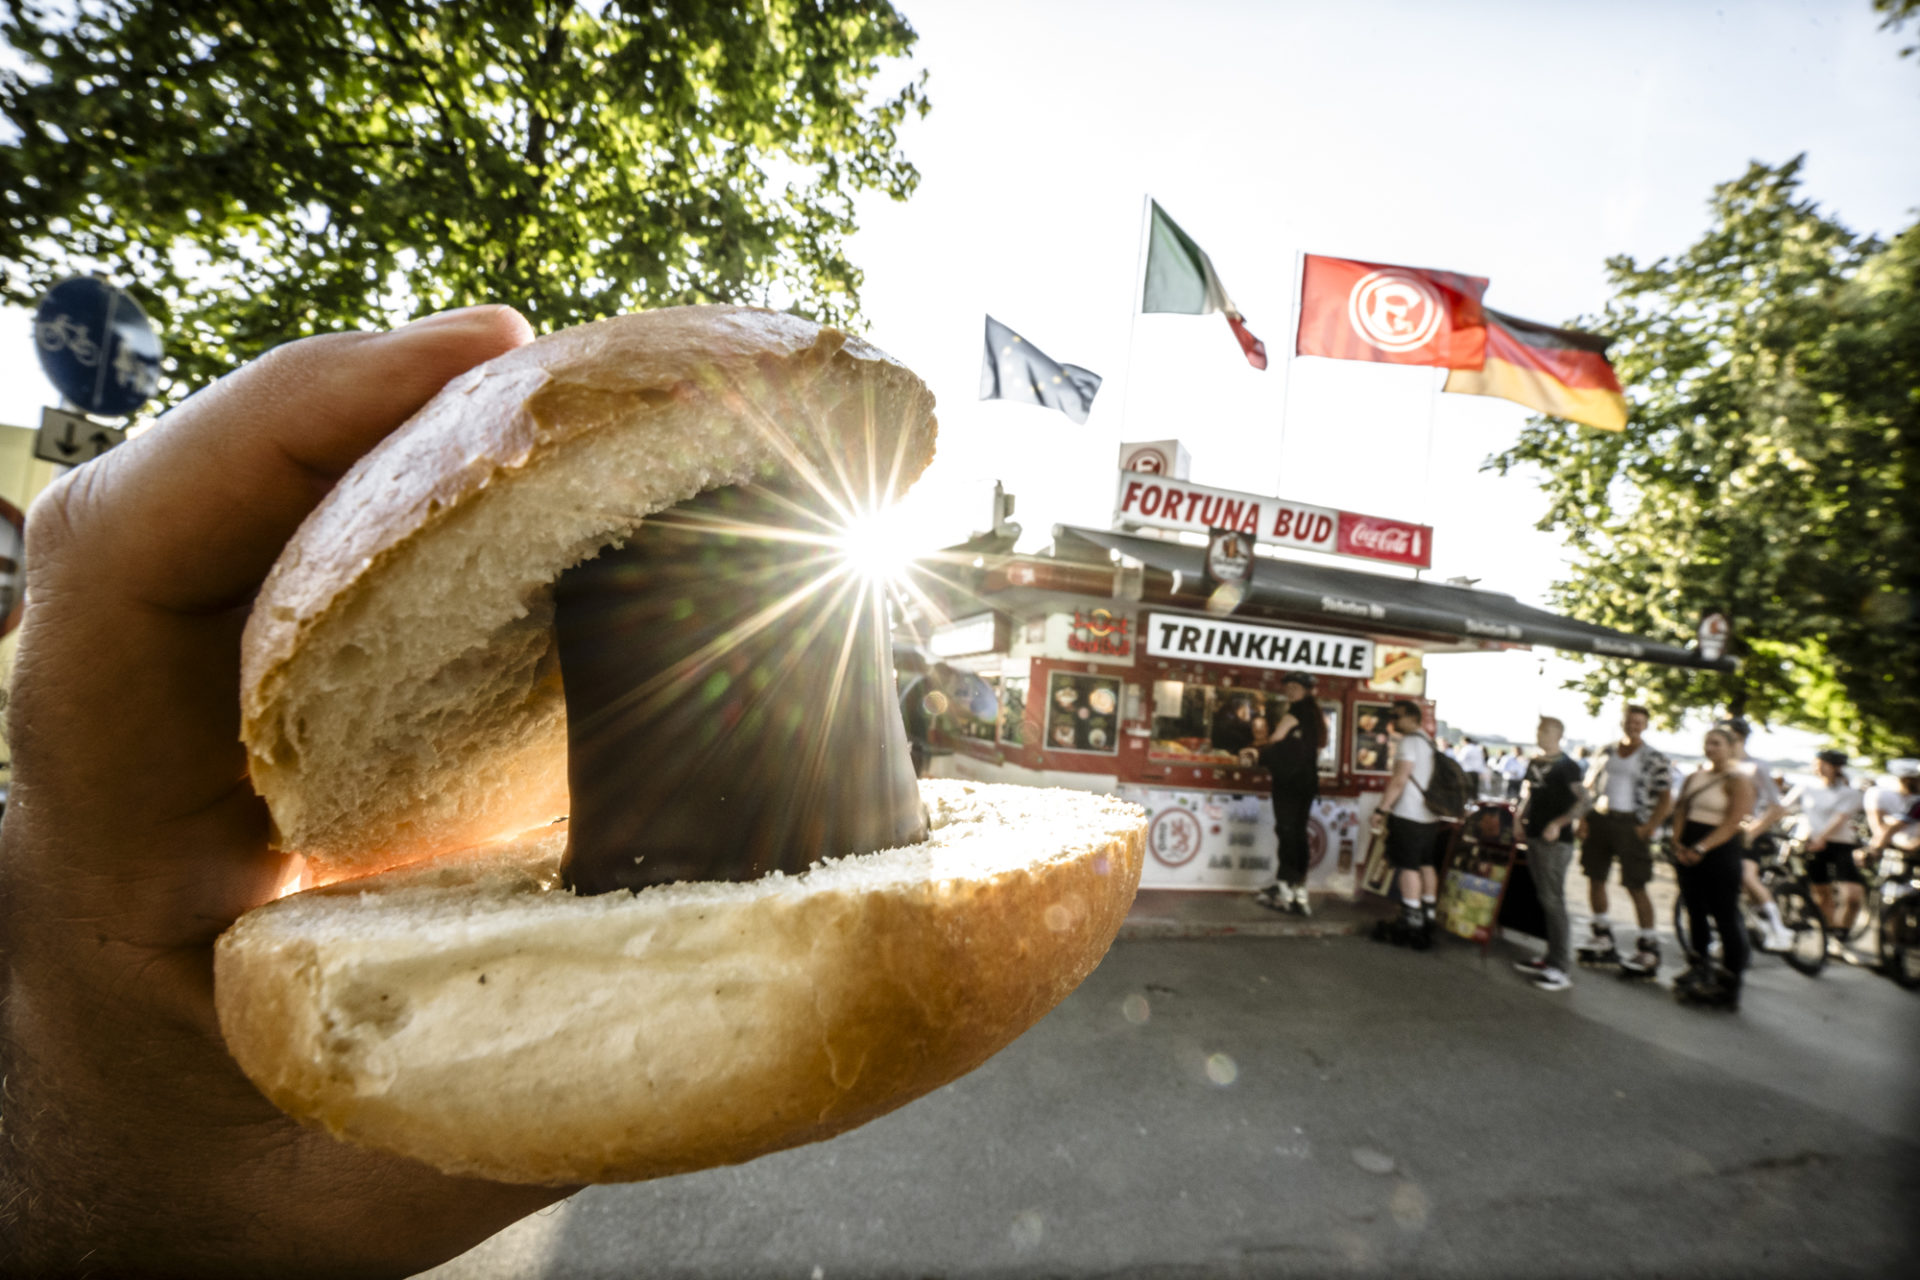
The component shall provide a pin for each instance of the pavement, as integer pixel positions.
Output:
(1232, 1104)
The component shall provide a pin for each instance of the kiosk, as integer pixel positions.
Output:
(1121, 665)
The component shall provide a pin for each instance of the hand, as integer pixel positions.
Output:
(1551, 832)
(1686, 855)
(1816, 844)
(1377, 823)
(1248, 757)
(133, 839)
(1643, 832)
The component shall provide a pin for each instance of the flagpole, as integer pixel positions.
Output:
(1286, 390)
(1133, 308)
(1434, 382)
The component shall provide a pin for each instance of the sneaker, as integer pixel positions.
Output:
(1420, 936)
(1644, 962)
(1534, 967)
(1270, 898)
(1301, 906)
(1775, 937)
(1552, 979)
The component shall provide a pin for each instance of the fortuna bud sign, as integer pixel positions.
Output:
(1241, 644)
(1165, 503)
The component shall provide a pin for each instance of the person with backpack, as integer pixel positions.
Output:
(1426, 790)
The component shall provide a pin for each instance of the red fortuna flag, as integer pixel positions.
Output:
(1391, 315)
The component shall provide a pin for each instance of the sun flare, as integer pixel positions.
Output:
(878, 545)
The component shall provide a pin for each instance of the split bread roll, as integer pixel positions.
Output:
(440, 996)
(470, 1014)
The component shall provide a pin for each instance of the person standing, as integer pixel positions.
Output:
(1756, 842)
(1291, 757)
(1552, 801)
(1414, 831)
(1631, 785)
(1473, 760)
(1828, 808)
(1513, 767)
(1713, 804)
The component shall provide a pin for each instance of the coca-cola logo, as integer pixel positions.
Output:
(1385, 539)
(1396, 539)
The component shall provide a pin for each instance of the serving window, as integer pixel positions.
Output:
(1194, 721)
(1083, 713)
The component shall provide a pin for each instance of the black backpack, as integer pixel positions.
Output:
(1448, 792)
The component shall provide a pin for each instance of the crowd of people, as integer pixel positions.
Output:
(1609, 806)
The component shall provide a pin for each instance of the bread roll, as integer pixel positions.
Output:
(469, 1014)
(400, 694)
(440, 997)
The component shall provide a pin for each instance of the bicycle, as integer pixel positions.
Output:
(1900, 920)
(1786, 880)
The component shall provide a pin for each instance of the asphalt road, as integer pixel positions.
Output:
(1312, 1106)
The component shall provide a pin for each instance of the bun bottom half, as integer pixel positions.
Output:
(471, 1014)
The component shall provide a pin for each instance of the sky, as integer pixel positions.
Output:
(1525, 142)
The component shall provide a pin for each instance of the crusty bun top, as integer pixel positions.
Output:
(400, 694)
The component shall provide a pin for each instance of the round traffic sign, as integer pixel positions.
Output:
(97, 346)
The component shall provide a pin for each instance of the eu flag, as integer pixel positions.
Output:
(1015, 369)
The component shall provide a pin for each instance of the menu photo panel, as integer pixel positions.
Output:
(1083, 713)
(1372, 738)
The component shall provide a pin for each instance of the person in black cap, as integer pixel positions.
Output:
(1291, 757)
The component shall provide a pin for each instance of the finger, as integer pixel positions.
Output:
(140, 563)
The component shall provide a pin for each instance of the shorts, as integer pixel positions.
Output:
(1613, 836)
(1761, 848)
(1835, 862)
(1412, 845)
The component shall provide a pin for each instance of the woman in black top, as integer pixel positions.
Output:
(1291, 757)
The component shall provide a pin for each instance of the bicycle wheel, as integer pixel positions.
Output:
(1798, 912)
(1900, 942)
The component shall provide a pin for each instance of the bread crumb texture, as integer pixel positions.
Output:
(469, 1013)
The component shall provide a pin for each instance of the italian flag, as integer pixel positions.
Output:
(1181, 278)
(1560, 372)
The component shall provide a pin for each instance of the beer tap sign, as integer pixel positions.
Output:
(1163, 502)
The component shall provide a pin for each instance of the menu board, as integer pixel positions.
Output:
(1372, 743)
(1083, 713)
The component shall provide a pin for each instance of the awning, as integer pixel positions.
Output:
(1364, 601)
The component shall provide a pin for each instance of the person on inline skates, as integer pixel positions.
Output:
(1632, 787)
(1712, 803)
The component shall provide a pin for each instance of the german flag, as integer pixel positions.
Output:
(1560, 372)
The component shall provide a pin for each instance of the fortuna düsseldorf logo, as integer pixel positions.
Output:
(1394, 312)
(1151, 461)
(1174, 837)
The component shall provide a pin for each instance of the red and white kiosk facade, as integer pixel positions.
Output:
(1119, 667)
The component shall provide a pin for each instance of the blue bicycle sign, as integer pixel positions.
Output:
(97, 346)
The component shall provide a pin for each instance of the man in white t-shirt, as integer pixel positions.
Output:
(1414, 843)
(1892, 807)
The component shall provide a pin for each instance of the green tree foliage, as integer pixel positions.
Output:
(259, 170)
(1769, 469)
